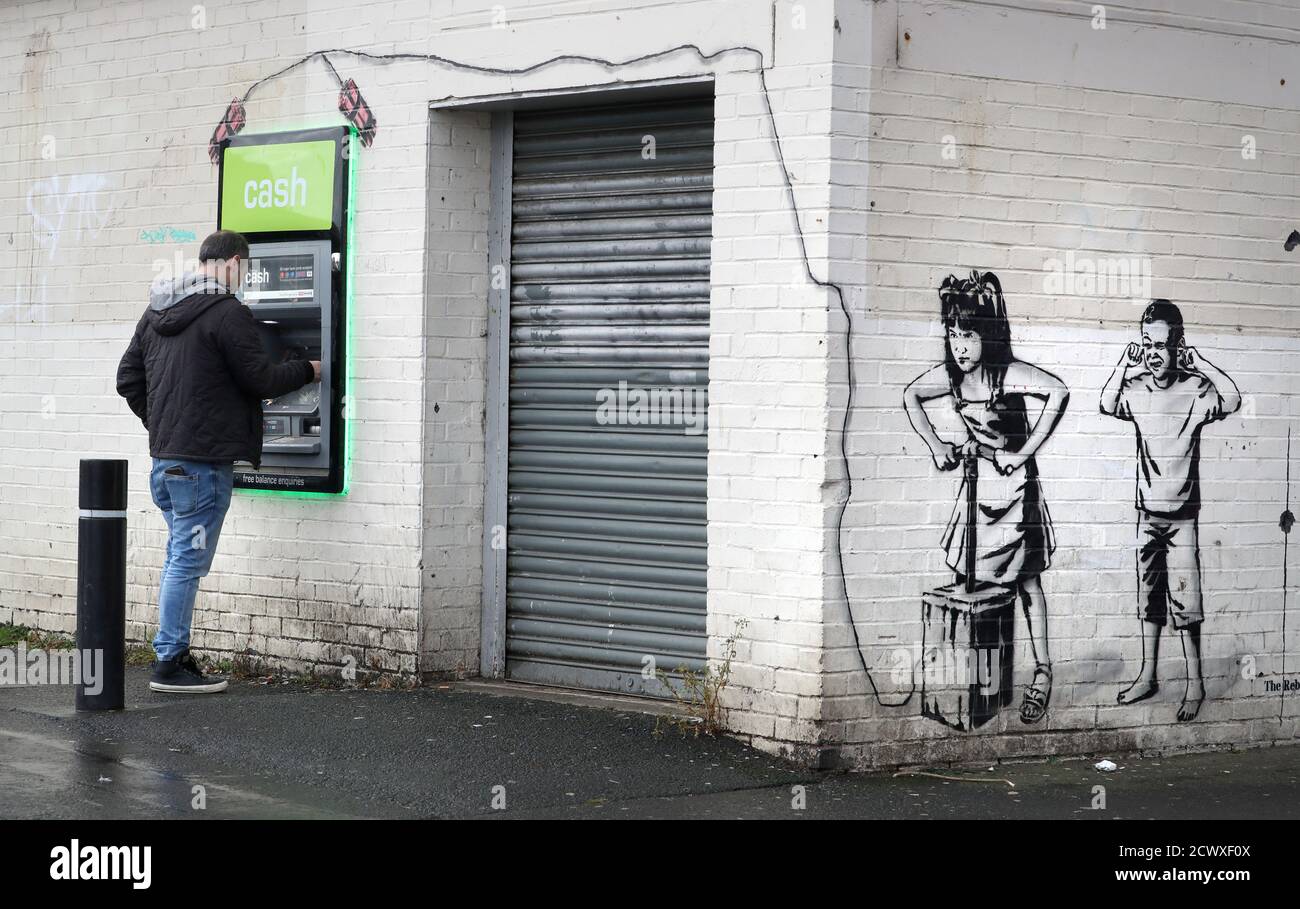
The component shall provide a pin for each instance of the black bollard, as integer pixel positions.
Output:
(101, 585)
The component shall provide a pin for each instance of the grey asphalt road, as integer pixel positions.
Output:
(461, 750)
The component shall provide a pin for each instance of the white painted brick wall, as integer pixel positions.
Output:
(768, 378)
(1042, 169)
(455, 375)
(393, 572)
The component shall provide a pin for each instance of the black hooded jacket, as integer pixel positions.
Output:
(195, 373)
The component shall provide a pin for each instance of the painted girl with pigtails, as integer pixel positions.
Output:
(1009, 409)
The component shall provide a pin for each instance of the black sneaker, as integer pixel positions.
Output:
(183, 675)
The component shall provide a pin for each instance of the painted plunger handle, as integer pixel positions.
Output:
(972, 504)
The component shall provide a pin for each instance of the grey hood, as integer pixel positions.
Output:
(175, 303)
(165, 292)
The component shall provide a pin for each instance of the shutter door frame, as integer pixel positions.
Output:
(492, 629)
(647, 587)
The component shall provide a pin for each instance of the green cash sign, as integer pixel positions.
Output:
(289, 186)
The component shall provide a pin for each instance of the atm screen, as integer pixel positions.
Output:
(288, 278)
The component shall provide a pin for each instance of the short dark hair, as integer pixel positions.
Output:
(1164, 311)
(222, 245)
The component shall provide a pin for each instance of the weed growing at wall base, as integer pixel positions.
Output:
(699, 694)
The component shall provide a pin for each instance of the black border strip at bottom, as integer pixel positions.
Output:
(965, 857)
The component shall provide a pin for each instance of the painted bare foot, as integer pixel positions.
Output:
(1140, 690)
(1192, 701)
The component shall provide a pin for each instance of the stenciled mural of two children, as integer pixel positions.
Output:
(1164, 387)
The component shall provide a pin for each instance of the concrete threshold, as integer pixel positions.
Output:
(576, 696)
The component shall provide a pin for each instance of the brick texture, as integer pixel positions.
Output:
(908, 158)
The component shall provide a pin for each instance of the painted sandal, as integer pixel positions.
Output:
(1034, 706)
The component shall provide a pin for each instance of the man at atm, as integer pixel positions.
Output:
(195, 373)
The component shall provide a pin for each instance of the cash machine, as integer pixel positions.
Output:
(289, 195)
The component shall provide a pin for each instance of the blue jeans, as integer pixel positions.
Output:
(194, 504)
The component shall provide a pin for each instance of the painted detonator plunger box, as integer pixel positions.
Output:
(967, 632)
(966, 653)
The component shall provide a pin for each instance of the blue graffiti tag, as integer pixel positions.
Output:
(167, 234)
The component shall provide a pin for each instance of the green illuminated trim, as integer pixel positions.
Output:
(285, 493)
(348, 333)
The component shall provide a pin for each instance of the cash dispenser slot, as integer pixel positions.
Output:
(291, 445)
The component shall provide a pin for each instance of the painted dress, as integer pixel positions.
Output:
(1013, 536)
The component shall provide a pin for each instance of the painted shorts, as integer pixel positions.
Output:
(1169, 570)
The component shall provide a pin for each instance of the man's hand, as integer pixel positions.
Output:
(947, 456)
(1132, 355)
(315, 365)
(1189, 360)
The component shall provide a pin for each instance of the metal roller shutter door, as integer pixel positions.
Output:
(606, 554)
